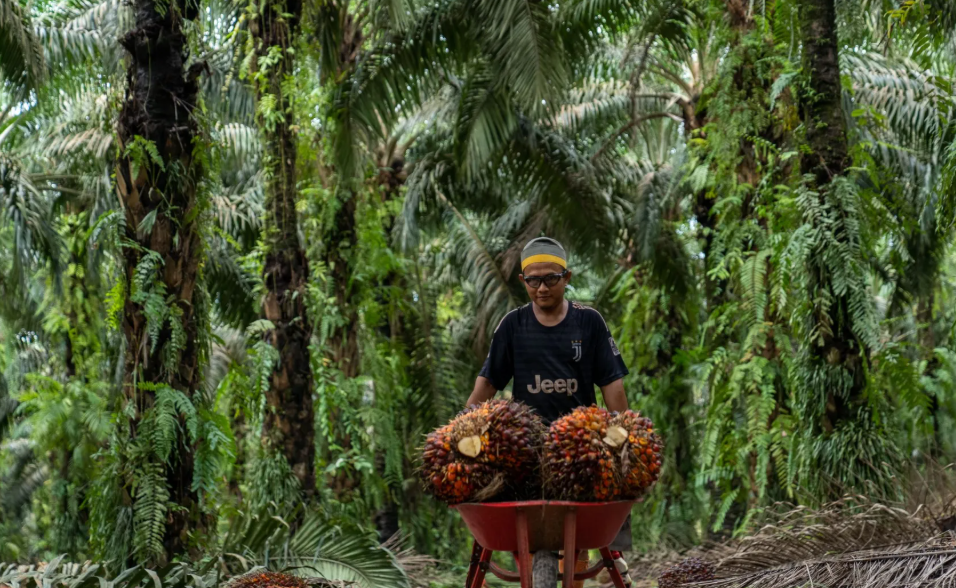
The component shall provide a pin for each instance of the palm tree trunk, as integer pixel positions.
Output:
(342, 240)
(826, 135)
(343, 348)
(341, 39)
(927, 342)
(156, 182)
(391, 177)
(748, 90)
(679, 400)
(289, 425)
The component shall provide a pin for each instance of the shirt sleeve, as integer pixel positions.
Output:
(608, 363)
(499, 365)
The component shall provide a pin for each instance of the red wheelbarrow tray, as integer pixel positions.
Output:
(526, 527)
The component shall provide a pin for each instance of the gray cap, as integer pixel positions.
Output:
(543, 250)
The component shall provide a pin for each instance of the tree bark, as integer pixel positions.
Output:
(827, 138)
(680, 398)
(342, 241)
(827, 133)
(156, 182)
(289, 425)
(927, 341)
(391, 178)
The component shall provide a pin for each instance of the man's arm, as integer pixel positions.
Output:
(609, 369)
(614, 397)
(499, 365)
(484, 390)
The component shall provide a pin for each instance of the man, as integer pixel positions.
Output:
(556, 351)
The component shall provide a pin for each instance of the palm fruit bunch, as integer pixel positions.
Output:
(263, 579)
(578, 464)
(692, 569)
(595, 455)
(481, 450)
(640, 459)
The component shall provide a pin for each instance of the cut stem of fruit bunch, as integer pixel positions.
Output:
(482, 452)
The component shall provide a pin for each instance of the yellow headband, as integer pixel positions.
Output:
(543, 258)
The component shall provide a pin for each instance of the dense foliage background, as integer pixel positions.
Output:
(252, 251)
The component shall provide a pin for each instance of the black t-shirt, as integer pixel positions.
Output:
(554, 368)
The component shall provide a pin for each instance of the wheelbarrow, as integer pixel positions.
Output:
(542, 526)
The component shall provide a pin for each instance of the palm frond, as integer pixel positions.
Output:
(910, 99)
(29, 211)
(580, 21)
(21, 54)
(314, 549)
(652, 230)
(239, 209)
(239, 149)
(799, 534)
(549, 168)
(434, 198)
(593, 106)
(528, 55)
(82, 31)
(929, 565)
(395, 77)
(238, 199)
(395, 15)
(79, 127)
(414, 564)
(24, 476)
(229, 349)
(230, 97)
(485, 123)
(320, 550)
(231, 284)
(482, 270)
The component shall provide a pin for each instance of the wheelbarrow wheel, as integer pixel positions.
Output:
(544, 570)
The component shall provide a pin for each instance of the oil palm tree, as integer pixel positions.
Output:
(289, 426)
(163, 320)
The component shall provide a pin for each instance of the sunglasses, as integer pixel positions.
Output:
(549, 280)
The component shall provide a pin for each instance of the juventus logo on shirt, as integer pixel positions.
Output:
(576, 346)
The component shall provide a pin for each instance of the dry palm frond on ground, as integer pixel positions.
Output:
(853, 524)
(416, 565)
(927, 565)
(851, 543)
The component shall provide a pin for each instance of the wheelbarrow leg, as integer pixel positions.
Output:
(570, 553)
(616, 577)
(524, 546)
(473, 565)
(479, 566)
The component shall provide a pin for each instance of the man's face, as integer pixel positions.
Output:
(544, 296)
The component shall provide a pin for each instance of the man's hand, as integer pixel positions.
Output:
(614, 397)
(484, 391)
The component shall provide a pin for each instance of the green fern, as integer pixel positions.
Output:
(150, 506)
